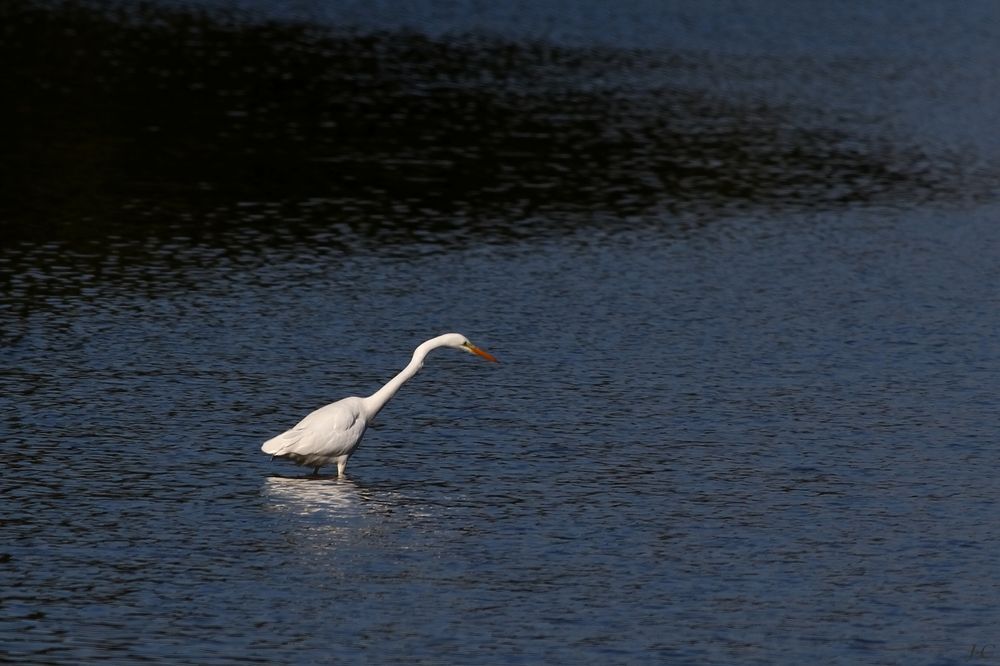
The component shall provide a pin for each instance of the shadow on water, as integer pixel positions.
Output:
(139, 120)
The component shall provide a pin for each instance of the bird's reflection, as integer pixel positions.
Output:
(339, 498)
(348, 511)
(326, 520)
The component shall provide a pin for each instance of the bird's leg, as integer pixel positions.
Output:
(316, 471)
(341, 466)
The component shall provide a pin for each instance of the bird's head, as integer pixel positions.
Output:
(459, 341)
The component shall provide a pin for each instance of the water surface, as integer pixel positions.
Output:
(746, 405)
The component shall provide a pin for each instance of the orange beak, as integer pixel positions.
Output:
(481, 352)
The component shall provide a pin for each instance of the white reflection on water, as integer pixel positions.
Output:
(341, 503)
(328, 520)
(340, 529)
(305, 496)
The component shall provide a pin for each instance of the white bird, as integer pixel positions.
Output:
(332, 433)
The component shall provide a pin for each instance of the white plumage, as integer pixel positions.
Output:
(332, 433)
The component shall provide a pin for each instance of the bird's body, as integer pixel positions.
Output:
(329, 434)
(332, 433)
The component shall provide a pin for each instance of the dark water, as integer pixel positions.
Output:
(741, 270)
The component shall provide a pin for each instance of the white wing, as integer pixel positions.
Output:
(328, 433)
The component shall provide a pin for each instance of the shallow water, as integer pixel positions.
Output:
(745, 411)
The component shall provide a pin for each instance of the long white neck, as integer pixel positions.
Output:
(376, 401)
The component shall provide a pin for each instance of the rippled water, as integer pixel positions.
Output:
(746, 407)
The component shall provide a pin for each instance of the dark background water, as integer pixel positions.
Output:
(739, 262)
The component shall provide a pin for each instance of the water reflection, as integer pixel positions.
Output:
(332, 498)
(341, 502)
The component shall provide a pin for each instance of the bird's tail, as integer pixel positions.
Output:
(273, 445)
(278, 445)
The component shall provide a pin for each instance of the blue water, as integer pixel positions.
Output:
(741, 415)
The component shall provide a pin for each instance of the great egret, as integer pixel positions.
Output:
(332, 433)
